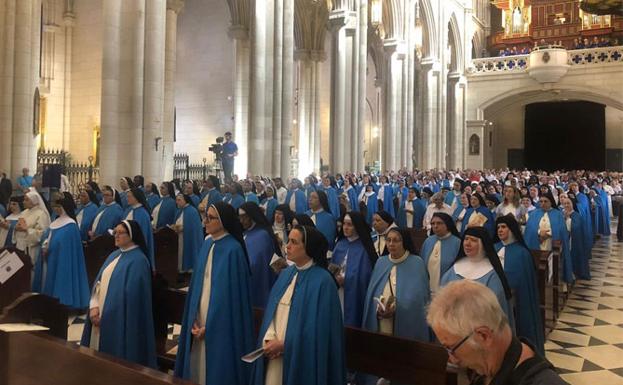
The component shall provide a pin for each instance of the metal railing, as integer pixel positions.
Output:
(78, 173)
(183, 169)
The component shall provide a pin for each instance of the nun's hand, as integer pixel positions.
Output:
(273, 349)
(198, 331)
(94, 315)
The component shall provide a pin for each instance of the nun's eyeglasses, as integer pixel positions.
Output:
(211, 218)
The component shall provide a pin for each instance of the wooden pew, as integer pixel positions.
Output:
(398, 359)
(560, 295)
(40, 359)
(418, 237)
(543, 262)
(19, 283)
(95, 253)
(165, 249)
(39, 309)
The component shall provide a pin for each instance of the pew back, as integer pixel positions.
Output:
(39, 309)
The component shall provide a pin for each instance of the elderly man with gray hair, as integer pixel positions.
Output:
(436, 205)
(469, 322)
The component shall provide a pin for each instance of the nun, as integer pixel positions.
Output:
(302, 220)
(139, 211)
(577, 247)
(212, 194)
(217, 326)
(547, 224)
(398, 292)
(368, 203)
(261, 244)
(386, 196)
(152, 195)
(108, 214)
(7, 225)
(478, 215)
(295, 197)
(60, 271)
(382, 222)
(282, 223)
(302, 332)
(236, 198)
(332, 199)
(521, 274)
(31, 225)
(355, 255)
(320, 214)
(412, 210)
(478, 261)
(89, 207)
(126, 183)
(163, 214)
(189, 232)
(441, 248)
(460, 211)
(269, 203)
(351, 193)
(120, 321)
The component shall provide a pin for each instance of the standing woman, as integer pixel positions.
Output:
(441, 248)
(329, 188)
(32, 224)
(577, 248)
(139, 211)
(93, 186)
(282, 224)
(189, 232)
(217, 327)
(7, 226)
(60, 271)
(120, 319)
(460, 211)
(269, 203)
(126, 183)
(302, 331)
(400, 282)
(478, 261)
(86, 215)
(368, 204)
(521, 274)
(321, 215)
(109, 213)
(511, 204)
(478, 215)
(152, 195)
(356, 256)
(163, 214)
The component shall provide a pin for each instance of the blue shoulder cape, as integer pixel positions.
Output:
(352, 198)
(166, 213)
(193, 236)
(358, 273)
(214, 196)
(123, 196)
(110, 218)
(419, 210)
(66, 274)
(371, 208)
(141, 216)
(251, 197)
(152, 201)
(300, 202)
(521, 275)
(585, 211)
(88, 215)
(325, 223)
(229, 322)
(271, 205)
(412, 297)
(236, 201)
(334, 203)
(489, 224)
(127, 324)
(605, 211)
(261, 248)
(580, 254)
(388, 200)
(449, 250)
(314, 350)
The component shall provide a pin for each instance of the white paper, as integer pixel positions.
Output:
(329, 254)
(9, 265)
(10, 328)
(380, 303)
(254, 355)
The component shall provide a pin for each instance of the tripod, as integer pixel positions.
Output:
(218, 168)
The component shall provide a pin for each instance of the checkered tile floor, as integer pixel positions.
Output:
(587, 344)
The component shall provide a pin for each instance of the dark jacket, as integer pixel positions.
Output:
(6, 189)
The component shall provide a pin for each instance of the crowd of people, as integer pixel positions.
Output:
(578, 43)
(316, 255)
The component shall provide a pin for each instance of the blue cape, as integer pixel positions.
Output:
(251, 197)
(193, 235)
(123, 196)
(66, 275)
(358, 273)
(235, 201)
(88, 215)
(388, 199)
(419, 210)
(371, 208)
(412, 296)
(451, 196)
(213, 197)
(271, 205)
(229, 322)
(585, 211)
(334, 203)
(141, 216)
(580, 254)
(127, 324)
(605, 210)
(325, 223)
(559, 233)
(261, 248)
(2, 210)
(521, 275)
(352, 197)
(314, 351)
(152, 201)
(493, 282)
(301, 200)
(489, 224)
(166, 213)
(196, 199)
(109, 219)
(449, 250)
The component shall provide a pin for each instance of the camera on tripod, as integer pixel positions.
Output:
(217, 148)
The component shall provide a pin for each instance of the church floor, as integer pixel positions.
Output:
(587, 345)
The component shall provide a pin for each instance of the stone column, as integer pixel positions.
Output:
(456, 114)
(358, 164)
(308, 111)
(153, 89)
(394, 133)
(287, 84)
(174, 7)
(431, 109)
(242, 53)
(7, 80)
(69, 20)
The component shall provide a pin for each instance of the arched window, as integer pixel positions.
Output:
(474, 145)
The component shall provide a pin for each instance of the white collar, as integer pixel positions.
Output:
(128, 249)
(317, 211)
(470, 269)
(61, 221)
(393, 225)
(444, 237)
(136, 206)
(305, 266)
(397, 261)
(369, 193)
(219, 237)
(511, 239)
(353, 238)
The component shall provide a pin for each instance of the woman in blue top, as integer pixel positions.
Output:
(163, 214)
(580, 254)
(138, 211)
(7, 226)
(120, 320)
(478, 215)
(282, 224)
(152, 195)
(93, 186)
(439, 250)
(86, 215)
(269, 203)
(302, 332)
(189, 232)
(126, 183)
(368, 204)
(236, 199)
(520, 271)
(478, 261)
(331, 191)
(109, 213)
(321, 215)
(355, 255)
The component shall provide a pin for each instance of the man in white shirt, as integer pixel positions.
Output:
(436, 205)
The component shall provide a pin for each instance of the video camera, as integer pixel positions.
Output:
(217, 148)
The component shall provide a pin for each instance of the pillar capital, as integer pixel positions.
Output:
(342, 19)
(395, 46)
(238, 32)
(69, 19)
(175, 5)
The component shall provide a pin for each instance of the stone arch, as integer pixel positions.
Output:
(457, 46)
(429, 28)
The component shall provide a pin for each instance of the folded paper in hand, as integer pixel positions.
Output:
(254, 355)
(9, 265)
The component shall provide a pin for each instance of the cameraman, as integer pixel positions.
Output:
(229, 151)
